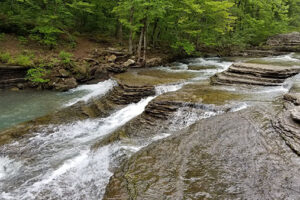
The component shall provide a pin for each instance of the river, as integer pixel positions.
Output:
(64, 165)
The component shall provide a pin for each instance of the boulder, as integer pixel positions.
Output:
(14, 89)
(295, 114)
(111, 58)
(293, 97)
(153, 62)
(63, 73)
(128, 63)
(65, 84)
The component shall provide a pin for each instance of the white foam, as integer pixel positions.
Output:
(180, 67)
(69, 164)
(238, 107)
(93, 90)
(223, 65)
(287, 58)
(161, 136)
(168, 88)
(8, 167)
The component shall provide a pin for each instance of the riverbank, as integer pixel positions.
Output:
(89, 60)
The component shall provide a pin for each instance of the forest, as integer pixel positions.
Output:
(183, 25)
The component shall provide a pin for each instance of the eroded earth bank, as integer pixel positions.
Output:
(214, 128)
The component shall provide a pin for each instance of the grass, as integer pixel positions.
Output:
(22, 60)
(65, 57)
(5, 57)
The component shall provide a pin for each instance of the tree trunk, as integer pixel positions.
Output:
(145, 40)
(130, 47)
(120, 33)
(153, 33)
(139, 50)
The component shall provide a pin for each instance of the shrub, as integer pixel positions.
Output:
(22, 60)
(36, 75)
(5, 57)
(65, 57)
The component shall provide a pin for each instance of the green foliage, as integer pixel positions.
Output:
(22, 60)
(182, 24)
(2, 36)
(36, 74)
(187, 46)
(65, 57)
(5, 57)
(23, 40)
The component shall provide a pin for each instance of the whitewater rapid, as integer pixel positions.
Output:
(58, 163)
(64, 154)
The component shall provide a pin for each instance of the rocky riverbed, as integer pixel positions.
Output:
(166, 133)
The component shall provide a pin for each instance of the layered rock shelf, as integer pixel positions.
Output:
(126, 94)
(12, 76)
(285, 42)
(288, 122)
(255, 74)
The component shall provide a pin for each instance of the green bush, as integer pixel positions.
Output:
(22, 60)
(5, 57)
(65, 57)
(36, 75)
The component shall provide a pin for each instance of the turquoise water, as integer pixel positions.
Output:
(20, 106)
(24, 105)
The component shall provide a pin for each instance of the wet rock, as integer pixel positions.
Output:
(116, 68)
(21, 86)
(153, 62)
(285, 42)
(255, 74)
(295, 114)
(293, 97)
(201, 67)
(288, 122)
(128, 63)
(215, 158)
(126, 94)
(15, 89)
(98, 73)
(64, 84)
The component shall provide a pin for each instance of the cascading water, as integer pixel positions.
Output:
(52, 160)
(58, 163)
(93, 90)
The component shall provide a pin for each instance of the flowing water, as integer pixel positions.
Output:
(17, 107)
(62, 164)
